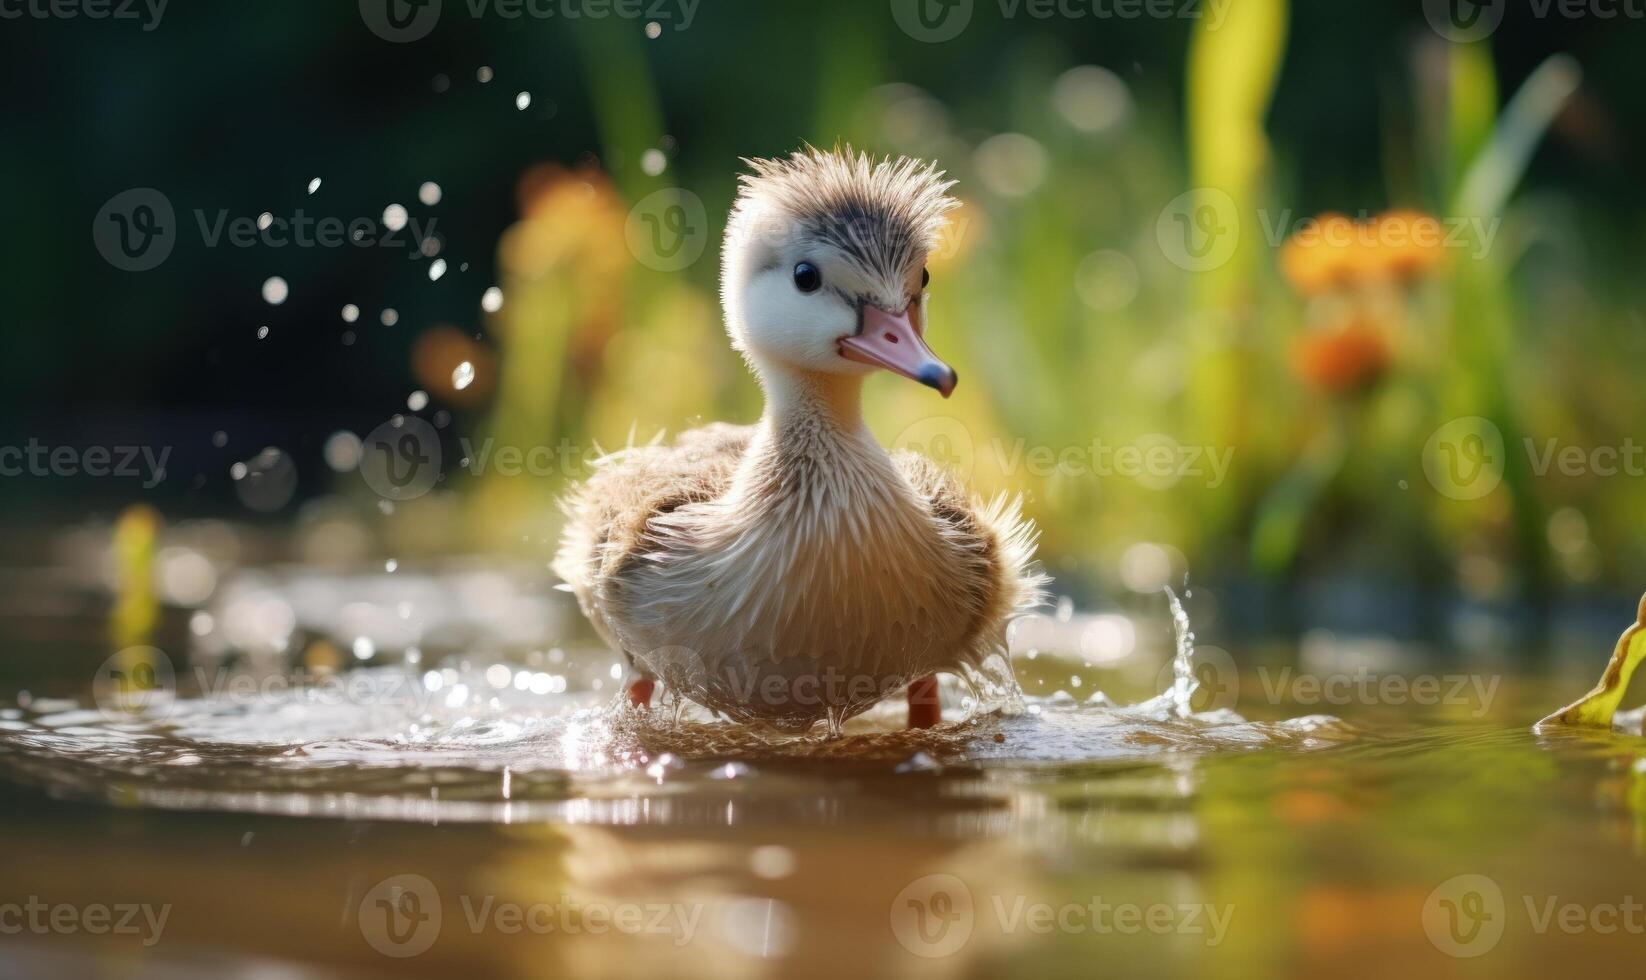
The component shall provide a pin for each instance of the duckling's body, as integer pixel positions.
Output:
(794, 570)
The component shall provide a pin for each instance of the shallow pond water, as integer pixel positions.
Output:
(496, 826)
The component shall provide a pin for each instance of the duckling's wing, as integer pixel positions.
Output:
(994, 545)
(607, 515)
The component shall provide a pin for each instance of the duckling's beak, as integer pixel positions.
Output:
(890, 340)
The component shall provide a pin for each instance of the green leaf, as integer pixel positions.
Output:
(1595, 709)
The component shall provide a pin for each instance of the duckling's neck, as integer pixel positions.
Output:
(813, 402)
(812, 450)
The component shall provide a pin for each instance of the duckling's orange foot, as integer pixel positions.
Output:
(925, 710)
(640, 691)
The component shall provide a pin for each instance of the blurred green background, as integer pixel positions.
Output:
(1360, 432)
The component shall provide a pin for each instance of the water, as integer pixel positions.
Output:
(1366, 840)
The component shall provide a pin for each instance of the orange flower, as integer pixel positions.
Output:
(1320, 255)
(437, 358)
(1333, 252)
(569, 217)
(1407, 244)
(1343, 360)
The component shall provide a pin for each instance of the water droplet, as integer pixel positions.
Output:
(351, 313)
(314, 185)
(391, 566)
(389, 317)
(266, 481)
(463, 376)
(417, 400)
(484, 73)
(437, 269)
(342, 451)
(492, 301)
(394, 217)
(523, 100)
(653, 162)
(264, 220)
(429, 193)
(275, 290)
(654, 30)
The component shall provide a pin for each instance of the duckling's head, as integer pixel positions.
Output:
(824, 265)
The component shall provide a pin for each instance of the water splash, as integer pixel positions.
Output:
(424, 740)
(1184, 683)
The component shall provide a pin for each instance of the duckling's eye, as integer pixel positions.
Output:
(806, 277)
(925, 278)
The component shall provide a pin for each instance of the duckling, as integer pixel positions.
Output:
(794, 570)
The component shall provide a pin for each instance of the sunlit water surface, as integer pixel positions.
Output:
(1320, 844)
